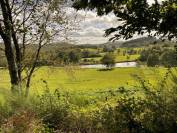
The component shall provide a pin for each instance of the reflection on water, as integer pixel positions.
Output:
(123, 64)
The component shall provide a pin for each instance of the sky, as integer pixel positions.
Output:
(92, 27)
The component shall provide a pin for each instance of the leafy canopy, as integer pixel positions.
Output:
(136, 16)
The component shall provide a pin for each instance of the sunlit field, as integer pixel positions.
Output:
(74, 79)
(119, 55)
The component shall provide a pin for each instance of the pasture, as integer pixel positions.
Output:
(88, 89)
(75, 79)
(120, 54)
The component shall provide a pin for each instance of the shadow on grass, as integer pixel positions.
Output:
(106, 69)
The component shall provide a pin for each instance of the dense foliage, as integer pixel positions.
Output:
(108, 60)
(158, 55)
(69, 56)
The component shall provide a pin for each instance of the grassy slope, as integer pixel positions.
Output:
(124, 58)
(118, 56)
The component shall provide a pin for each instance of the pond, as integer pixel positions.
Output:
(122, 64)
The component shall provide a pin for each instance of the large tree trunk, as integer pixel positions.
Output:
(15, 42)
(11, 64)
(6, 34)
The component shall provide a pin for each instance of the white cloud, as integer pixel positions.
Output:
(91, 27)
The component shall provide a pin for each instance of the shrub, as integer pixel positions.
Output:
(169, 58)
(154, 111)
(108, 60)
(53, 109)
(153, 60)
(22, 122)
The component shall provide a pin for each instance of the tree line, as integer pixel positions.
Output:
(159, 56)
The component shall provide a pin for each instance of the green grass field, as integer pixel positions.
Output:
(85, 86)
(74, 79)
(119, 56)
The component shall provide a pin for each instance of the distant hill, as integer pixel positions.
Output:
(58, 45)
(116, 44)
(139, 42)
(51, 46)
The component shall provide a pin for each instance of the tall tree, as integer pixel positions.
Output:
(25, 24)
